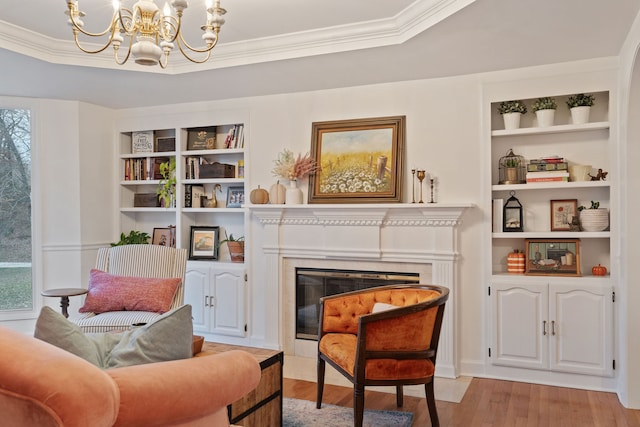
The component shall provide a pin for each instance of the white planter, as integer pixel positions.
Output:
(545, 117)
(594, 219)
(511, 120)
(580, 115)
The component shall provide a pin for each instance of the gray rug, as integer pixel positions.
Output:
(303, 413)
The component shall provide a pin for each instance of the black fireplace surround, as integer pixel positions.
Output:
(314, 283)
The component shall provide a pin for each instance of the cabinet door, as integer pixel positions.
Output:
(196, 293)
(519, 320)
(581, 329)
(228, 301)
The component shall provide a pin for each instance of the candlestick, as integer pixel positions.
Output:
(421, 176)
(413, 185)
(432, 181)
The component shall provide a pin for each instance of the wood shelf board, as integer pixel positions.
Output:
(550, 185)
(554, 235)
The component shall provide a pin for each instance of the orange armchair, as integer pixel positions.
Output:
(393, 347)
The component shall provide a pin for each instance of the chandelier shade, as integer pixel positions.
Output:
(148, 33)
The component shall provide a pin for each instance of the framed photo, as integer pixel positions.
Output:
(235, 197)
(201, 138)
(204, 242)
(142, 142)
(361, 160)
(552, 257)
(165, 144)
(562, 212)
(164, 237)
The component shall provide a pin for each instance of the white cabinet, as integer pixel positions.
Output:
(217, 295)
(550, 326)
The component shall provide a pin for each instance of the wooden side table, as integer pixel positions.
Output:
(64, 294)
(262, 406)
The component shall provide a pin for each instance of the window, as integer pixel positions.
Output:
(16, 279)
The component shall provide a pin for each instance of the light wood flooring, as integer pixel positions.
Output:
(495, 403)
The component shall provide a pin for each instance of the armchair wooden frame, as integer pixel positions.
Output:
(419, 307)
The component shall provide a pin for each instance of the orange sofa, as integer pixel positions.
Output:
(42, 385)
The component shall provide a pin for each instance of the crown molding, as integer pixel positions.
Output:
(413, 20)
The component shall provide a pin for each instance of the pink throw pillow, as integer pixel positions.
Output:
(108, 292)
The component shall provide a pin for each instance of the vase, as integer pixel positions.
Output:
(580, 115)
(545, 117)
(293, 195)
(511, 120)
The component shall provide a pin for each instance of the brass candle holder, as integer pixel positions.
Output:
(421, 176)
(432, 182)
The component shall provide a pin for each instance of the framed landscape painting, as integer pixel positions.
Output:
(360, 160)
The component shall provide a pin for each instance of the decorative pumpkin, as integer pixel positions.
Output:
(259, 196)
(599, 270)
(277, 193)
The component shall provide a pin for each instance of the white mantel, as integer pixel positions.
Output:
(361, 236)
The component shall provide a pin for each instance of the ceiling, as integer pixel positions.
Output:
(281, 46)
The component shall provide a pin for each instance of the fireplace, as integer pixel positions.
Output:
(311, 284)
(402, 238)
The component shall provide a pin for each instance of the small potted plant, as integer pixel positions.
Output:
(167, 186)
(580, 106)
(545, 109)
(511, 112)
(593, 218)
(236, 247)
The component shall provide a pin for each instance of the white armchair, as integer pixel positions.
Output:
(150, 261)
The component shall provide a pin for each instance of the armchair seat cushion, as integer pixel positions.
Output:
(341, 348)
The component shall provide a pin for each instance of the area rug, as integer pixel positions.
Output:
(303, 413)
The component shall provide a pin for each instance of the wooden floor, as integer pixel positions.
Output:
(493, 403)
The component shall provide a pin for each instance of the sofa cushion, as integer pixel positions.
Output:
(169, 337)
(109, 292)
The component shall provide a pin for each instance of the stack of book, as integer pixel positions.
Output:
(548, 169)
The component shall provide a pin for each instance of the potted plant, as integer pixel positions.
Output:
(580, 106)
(133, 238)
(236, 247)
(167, 186)
(511, 112)
(545, 109)
(593, 218)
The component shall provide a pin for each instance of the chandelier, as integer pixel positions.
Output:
(155, 32)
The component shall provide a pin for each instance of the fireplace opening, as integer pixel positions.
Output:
(314, 283)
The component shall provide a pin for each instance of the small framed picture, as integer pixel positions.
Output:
(235, 197)
(142, 142)
(164, 144)
(164, 237)
(201, 138)
(562, 213)
(204, 242)
(552, 257)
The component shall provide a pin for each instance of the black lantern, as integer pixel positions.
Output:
(512, 214)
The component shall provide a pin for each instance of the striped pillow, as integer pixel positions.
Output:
(108, 292)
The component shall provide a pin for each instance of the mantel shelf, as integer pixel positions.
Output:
(429, 214)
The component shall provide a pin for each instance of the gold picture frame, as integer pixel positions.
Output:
(552, 257)
(361, 160)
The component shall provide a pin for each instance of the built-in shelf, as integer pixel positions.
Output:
(551, 129)
(554, 235)
(550, 185)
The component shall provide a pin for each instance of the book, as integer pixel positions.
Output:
(539, 167)
(550, 159)
(549, 179)
(547, 174)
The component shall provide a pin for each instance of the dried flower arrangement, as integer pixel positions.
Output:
(292, 168)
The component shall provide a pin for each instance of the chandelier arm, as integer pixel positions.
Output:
(79, 28)
(186, 54)
(128, 17)
(126, 58)
(193, 49)
(75, 38)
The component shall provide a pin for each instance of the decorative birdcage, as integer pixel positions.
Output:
(512, 169)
